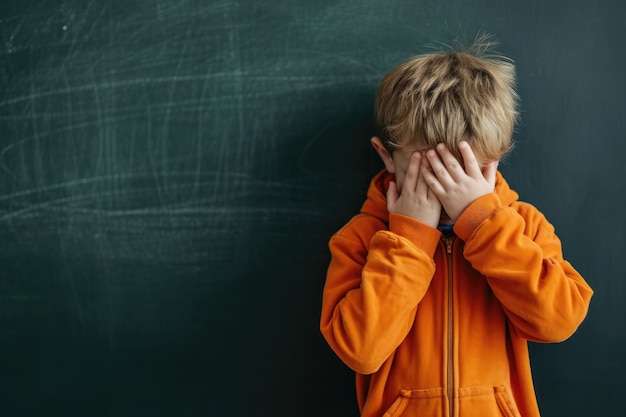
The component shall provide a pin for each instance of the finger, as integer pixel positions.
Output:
(430, 195)
(422, 188)
(454, 168)
(392, 195)
(412, 172)
(431, 179)
(438, 168)
(472, 167)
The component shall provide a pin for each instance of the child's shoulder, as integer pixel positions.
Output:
(532, 216)
(361, 227)
(526, 209)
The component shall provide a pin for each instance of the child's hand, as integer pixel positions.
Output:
(416, 200)
(455, 186)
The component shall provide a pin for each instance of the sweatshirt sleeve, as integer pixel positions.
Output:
(516, 248)
(375, 281)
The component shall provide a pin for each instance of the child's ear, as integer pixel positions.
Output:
(383, 153)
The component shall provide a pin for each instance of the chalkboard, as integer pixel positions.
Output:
(171, 171)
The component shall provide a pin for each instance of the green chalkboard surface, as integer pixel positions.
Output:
(171, 171)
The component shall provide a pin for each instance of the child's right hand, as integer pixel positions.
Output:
(416, 199)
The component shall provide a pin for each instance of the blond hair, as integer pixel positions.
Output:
(448, 97)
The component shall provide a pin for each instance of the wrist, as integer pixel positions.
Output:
(475, 213)
(422, 235)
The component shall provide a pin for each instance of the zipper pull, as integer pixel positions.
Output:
(449, 241)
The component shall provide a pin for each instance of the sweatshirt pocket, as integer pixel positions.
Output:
(487, 401)
(428, 402)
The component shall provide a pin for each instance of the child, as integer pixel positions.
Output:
(436, 286)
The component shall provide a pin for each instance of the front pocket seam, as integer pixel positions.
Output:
(425, 393)
(477, 391)
(506, 403)
(398, 406)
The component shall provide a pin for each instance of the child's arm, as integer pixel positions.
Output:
(519, 253)
(373, 287)
(377, 277)
(515, 248)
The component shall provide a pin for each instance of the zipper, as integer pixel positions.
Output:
(449, 241)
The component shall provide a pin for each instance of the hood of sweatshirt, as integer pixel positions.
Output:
(376, 202)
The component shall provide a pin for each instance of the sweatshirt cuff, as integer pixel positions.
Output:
(420, 234)
(477, 212)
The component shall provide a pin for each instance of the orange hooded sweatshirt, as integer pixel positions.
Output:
(437, 326)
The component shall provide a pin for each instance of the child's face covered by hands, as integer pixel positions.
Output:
(434, 187)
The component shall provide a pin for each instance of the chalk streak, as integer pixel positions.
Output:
(311, 82)
(239, 179)
(211, 206)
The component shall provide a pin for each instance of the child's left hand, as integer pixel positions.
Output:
(455, 186)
